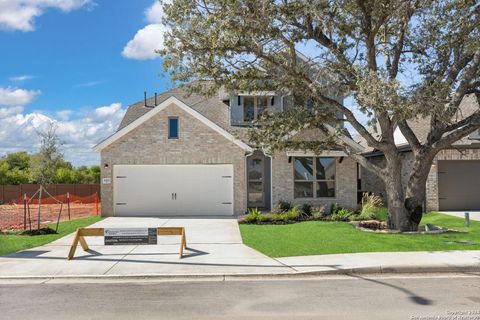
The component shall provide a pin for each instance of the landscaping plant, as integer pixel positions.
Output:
(371, 206)
(252, 215)
(342, 215)
(307, 209)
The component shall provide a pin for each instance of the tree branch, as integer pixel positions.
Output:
(367, 164)
(409, 135)
(460, 133)
(398, 47)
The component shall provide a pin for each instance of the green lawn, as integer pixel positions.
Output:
(313, 238)
(13, 243)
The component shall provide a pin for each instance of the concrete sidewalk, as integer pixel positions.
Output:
(387, 262)
(474, 215)
(215, 249)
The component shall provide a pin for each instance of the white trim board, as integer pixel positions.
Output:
(172, 100)
(326, 153)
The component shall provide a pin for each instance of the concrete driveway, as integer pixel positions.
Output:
(214, 247)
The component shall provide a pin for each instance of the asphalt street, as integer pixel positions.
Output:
(433, 296)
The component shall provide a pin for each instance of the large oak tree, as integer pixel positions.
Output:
(399, 60)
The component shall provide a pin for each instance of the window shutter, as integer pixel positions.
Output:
(239, 100)
(272, 101)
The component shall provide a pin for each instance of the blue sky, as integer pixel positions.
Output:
(79, 63)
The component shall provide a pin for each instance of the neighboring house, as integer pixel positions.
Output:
(454, 176)
(188, 155)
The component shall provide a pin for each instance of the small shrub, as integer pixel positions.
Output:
(293, 214)
(279, 217)
(252, 215)
(307, 209)
(276, 210)
(284, 206)
(341, 215)
(320, 210)
(264, 218)
(334, 208)
(317, 216)
(371, 208)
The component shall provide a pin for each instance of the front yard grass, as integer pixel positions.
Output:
(13, 243)
(318, 237)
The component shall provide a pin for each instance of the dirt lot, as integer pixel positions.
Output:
(12, 215)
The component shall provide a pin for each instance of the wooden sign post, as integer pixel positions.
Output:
(100, 232)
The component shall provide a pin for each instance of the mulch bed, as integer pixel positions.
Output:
(38, 232)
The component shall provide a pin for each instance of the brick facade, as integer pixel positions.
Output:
(346, 183)
(197, 144)
(371, 183)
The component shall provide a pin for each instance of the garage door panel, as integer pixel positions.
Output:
(139, 192)
(166, 190)
(458, 184)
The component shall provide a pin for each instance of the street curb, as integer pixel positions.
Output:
(259, 276)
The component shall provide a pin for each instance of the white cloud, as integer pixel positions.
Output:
(7, 112)
(145, 42)
(21, 78)
(20, 14)
(13, 97)
(149, 38)
(79, 134)
(154, 14)
(64, 114)
(79, 131)
(107, 112)
(89, 84)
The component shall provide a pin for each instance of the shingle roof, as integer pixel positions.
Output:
(210, 107)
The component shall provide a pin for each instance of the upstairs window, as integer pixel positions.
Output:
(254, 107)
(172, 128)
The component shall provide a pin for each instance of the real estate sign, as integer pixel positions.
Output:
(130, 236)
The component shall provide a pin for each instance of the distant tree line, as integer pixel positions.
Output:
(45, 167)
(22, 167)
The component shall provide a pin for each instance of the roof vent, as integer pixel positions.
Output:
(155, 99)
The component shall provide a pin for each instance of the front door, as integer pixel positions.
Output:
(256, 187)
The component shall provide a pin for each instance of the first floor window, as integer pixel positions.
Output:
(314, 177)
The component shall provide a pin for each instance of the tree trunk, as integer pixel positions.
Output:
(397, 213)
(405, 205)
(416, 187)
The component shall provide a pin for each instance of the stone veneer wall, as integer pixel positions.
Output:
(346, 183)
(197, 144)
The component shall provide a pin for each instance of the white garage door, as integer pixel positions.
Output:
(169, 190)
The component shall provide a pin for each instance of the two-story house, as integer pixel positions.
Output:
(179, 154)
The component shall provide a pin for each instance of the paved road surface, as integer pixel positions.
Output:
(334, 297)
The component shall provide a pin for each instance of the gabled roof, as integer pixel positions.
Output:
(126, 128)
(210, 107)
